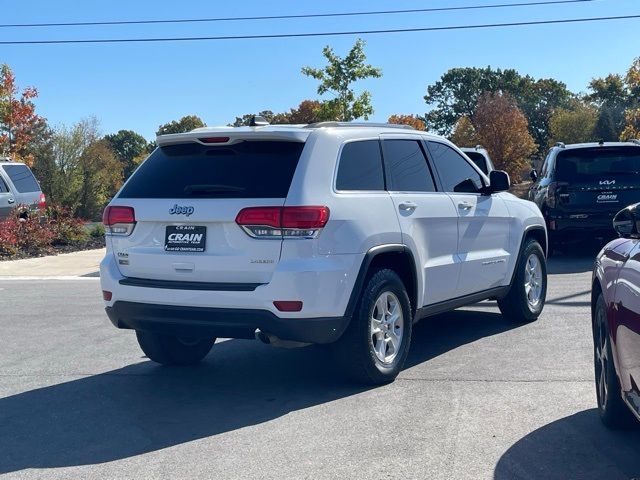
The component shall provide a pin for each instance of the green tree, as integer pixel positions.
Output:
(458, 91)
(464, 133)
(605, 128)
(100, 172)
(612, 95)
(185, 124)
(87, 172)
(574, 125)
(338, 77)
(41, 150)
(128, 146)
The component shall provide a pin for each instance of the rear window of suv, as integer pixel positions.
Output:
(249, 169)
(22, 178)
(598, 163)
(479, 160)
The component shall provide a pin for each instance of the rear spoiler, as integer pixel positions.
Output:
(229, 137)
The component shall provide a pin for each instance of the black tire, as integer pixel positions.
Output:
(170, 350)
(515, 305)
(614, 413)
(355, 349)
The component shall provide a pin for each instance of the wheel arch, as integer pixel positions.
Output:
(538, 233)
(396, 257)
(535, 232)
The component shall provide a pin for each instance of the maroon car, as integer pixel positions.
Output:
(615, 313)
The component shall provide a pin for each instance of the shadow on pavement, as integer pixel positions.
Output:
(436, 335)
(576, 258)
(578, 446)
(143, 407)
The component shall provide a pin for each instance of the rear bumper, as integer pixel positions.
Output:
(573, 226)
(223, 322)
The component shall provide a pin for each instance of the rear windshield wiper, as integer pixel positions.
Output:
(621, 172)
(195, 189)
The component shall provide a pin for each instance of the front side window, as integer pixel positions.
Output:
(360, 166)
(3, 186)
(406, 167)
(455, 172)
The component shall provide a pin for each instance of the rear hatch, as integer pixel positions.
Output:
(185, 199)
(598, 180)
(25, 186)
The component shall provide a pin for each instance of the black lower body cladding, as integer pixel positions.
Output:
(199, 322)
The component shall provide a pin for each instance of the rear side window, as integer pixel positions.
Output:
(247, 169)
(360, 166)
(406, 167)
(22, 178)
(599, 163)
(454, 171)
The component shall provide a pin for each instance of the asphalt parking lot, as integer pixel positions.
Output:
(480, 398)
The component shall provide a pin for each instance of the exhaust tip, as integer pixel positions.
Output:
(260, 335)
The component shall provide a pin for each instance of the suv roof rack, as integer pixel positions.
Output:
(5, 159)
(358, 125)
(559, 144)
(636, 141)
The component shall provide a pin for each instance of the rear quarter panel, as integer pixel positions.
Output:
(358, 221)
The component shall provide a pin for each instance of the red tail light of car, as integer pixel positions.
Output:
(119, 220)
(283, 222)
(42, 202)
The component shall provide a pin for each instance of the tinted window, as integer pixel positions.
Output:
(454, 170)
(406, 167)
(22, 178)
(190, 170)
(600, 163)
(360, 167)
(479, 160)
(3, 186)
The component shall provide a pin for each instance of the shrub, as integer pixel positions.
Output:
(66, 229)
(97, 231)
(34, 235)
(23, 232)
(8, 236)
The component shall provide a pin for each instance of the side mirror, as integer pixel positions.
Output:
(626, 223)
(499, 181)
(533, 175)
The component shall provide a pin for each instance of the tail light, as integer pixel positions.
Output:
(283, 222)
(42, 202)
(118, 220)
(553, 193)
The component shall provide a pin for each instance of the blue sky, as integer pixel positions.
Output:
(140, 86)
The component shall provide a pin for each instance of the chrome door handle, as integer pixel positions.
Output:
(465, 205)
(11, 200)
(407, 206)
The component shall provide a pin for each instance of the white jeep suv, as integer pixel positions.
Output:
(336, 233)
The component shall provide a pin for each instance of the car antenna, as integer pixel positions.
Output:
(601, 142)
